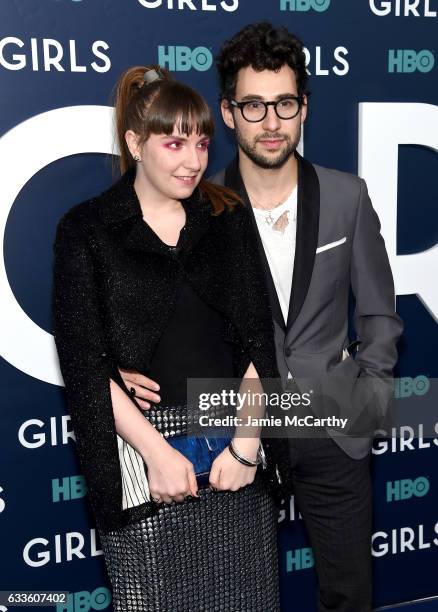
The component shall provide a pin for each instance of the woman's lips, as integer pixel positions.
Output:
(186, 180)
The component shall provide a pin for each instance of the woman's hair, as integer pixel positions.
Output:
(264, 47)
(155, 107)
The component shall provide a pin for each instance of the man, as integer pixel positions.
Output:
(319, 237)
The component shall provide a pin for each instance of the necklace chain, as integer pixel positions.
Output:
(269, 219)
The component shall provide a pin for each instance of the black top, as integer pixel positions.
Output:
(192, 346)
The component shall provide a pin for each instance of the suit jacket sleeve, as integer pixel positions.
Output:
(85, 361)
(377, 324)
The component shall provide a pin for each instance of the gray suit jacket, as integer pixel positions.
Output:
(338, 247)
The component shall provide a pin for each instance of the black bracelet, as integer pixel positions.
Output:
(242, 459)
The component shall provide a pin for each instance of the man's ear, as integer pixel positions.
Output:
(303, 111)
(227, 113)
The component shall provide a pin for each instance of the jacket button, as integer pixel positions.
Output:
(288, 352)
(104, 354)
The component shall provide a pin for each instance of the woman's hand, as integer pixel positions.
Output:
(171, 476)
(228, 474)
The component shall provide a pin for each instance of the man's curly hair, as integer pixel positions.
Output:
(264, 47)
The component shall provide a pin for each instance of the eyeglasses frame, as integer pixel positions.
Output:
(240, 105)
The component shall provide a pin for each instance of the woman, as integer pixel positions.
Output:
(160, 274)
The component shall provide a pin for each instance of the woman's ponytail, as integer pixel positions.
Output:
(130, 98)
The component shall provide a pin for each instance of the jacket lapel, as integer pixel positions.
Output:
(234, 181)
(120, 210)
(306, 236)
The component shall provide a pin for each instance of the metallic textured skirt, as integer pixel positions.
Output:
(218, 554)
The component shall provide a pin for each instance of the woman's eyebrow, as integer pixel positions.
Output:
(184, 138)
(174, 137)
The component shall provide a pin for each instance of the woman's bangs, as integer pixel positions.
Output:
(182, 109)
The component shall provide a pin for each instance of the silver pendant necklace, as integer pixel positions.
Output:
(269, 219)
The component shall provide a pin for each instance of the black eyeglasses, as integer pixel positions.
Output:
(256, 110)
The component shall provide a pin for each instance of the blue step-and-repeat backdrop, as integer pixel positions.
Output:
(373, 111)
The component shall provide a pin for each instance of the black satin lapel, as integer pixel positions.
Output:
(306, 235)
(235, 182)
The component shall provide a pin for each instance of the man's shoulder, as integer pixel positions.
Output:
(336, 175)
(347, 186)
(218, 178)
(332, 180)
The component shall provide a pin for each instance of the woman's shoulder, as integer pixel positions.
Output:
(82, 211)
(89, 213)
(104, 204)
(79, 220)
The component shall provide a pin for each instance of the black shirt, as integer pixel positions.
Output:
(191, 346)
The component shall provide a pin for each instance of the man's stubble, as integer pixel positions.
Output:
(268, 162)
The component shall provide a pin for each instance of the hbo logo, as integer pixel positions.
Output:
(304, 5)
(182, 59)
(408, 60)
(299, 559)
(83, 601)
(406, 386)
(405, 489)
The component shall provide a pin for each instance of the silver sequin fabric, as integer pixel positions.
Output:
(218, 554)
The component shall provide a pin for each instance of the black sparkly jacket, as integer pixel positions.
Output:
(114, 289)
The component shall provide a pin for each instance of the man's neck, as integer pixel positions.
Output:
(268, 185)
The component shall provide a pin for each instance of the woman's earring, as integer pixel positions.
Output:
(137, 158)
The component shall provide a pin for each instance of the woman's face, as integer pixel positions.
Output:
(174, 164)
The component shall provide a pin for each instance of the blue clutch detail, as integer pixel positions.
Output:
(201, 452)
